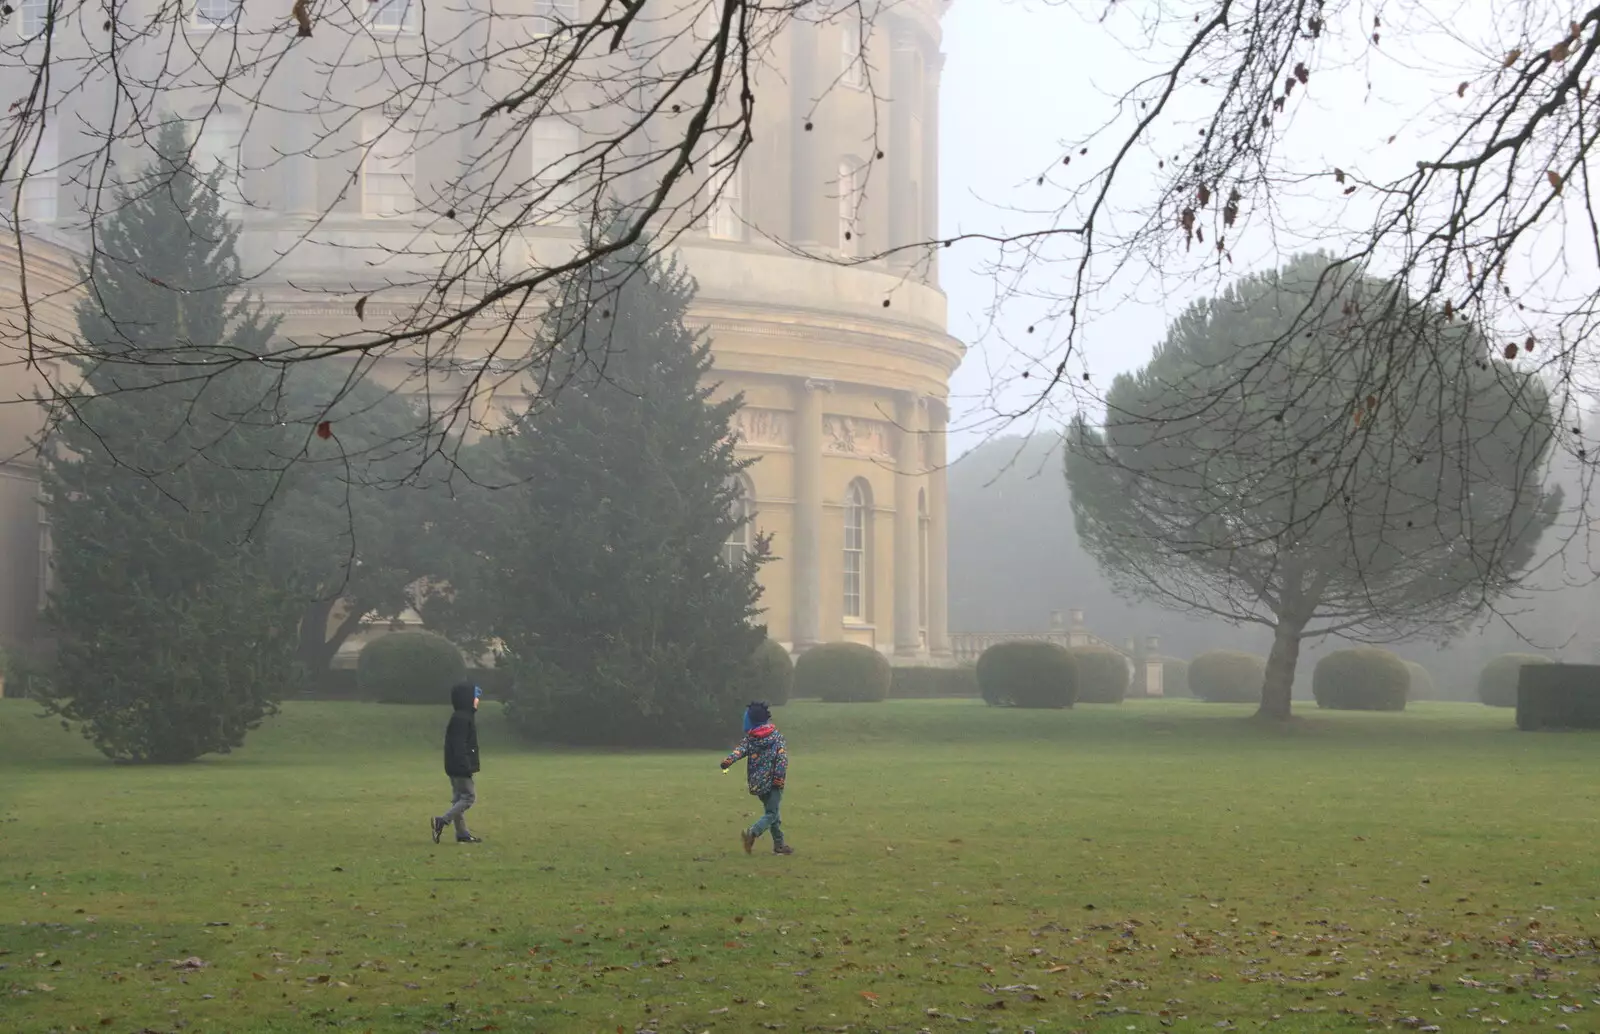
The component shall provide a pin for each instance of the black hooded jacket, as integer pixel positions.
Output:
(461, 735)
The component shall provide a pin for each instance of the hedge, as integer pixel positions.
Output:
(1175, 678)
(1028, 673)
(409, 668)
(771, 674)
(1558, 696)
(1227, 677)
(1497, 682)
(1361, 679)
(842, 673)
(1422, 685)
(1103, 675)
(923, 683)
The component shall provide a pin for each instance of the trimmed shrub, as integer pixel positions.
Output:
(920, 683)
(1558, 696)
(1497, 683)
(1227, 677)
(1175, 678)
(771, 674)
(1361, 679)
(409, 668)
(1422, 685)
(1028, 673)
(842, 673)
(1103, 675)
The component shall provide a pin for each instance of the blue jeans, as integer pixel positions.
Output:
(769, 818)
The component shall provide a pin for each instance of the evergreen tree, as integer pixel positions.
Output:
(175, 633)
(595, 564)
(1371, 485)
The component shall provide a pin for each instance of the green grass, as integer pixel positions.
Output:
(1137, 868)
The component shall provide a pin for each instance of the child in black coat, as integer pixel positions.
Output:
(460, 761)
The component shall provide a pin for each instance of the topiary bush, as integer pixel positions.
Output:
(1175, 678)
(1497, 683)
(771, 674)
(1103, 675)
(843, 673)
(1361, 679)
(1227, 677)
(1028, 673)
(1422, 685)
(409, 668)
(914, 682)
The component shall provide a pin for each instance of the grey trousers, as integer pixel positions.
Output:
(462, 797)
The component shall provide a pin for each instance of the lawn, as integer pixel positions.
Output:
(1154, 866)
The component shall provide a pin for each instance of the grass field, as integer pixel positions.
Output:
(1154, 866)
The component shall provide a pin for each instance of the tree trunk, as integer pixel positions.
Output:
(1277, 691)
(316, 649)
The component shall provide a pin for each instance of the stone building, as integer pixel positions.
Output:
(844, 364)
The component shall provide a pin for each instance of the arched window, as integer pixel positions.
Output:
(857, 550)
(852, 177)
(922, 563)
(41, 157)
(743, 509)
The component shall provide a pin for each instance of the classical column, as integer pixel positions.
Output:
(806, 563)
(938, 535)
(907, 634)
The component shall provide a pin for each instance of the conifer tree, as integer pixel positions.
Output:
(175, 636)
(596, 562)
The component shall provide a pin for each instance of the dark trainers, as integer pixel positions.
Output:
(748, 839)
(783, 849)
(437, 824)
(469, 839)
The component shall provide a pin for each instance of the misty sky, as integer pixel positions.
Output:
(1022, 77)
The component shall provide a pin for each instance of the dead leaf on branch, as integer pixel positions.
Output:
(1511, 350)
(1338, 175)
(1511, 58)
(1461, 91)
(361, 307)
(1302, 73)
(1555, 180)
(1561, 51)
(1204, 194)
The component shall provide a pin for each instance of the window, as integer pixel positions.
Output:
(47, 567)
(32, 17)
(726, 216)
(857, 547)
(852, 52)
(216, 153)
(395, 15)
(389, 170)
(41, 184)
(743, 509)
(557, 151)
(215, 14)
(550, 15)
(851, 175)
(922, 562)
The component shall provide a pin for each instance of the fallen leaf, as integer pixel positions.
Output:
(869, 996)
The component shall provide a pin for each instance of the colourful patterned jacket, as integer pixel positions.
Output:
(768, 765)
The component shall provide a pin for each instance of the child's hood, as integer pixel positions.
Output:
(461, 696)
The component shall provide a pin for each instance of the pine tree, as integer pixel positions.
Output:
(174, 635)
(597, 563)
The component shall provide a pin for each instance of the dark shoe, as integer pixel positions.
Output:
(469, 839)
(438, 827)
(748, 839)
(783, 849)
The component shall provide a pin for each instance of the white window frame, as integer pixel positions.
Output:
(390, 161)
(737, 545)
(853, 51)
(380, 17)
(547, 13)
(857, 581)
(218, 143)
(725, 215)
(39, 200)
(851, 173)
(555, 152)
(200, 22)
(32, 17)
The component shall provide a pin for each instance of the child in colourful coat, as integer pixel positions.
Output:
(767, 768)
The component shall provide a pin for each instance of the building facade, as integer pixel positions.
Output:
(843, 359)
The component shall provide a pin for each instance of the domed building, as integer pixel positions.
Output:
(843, 359)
